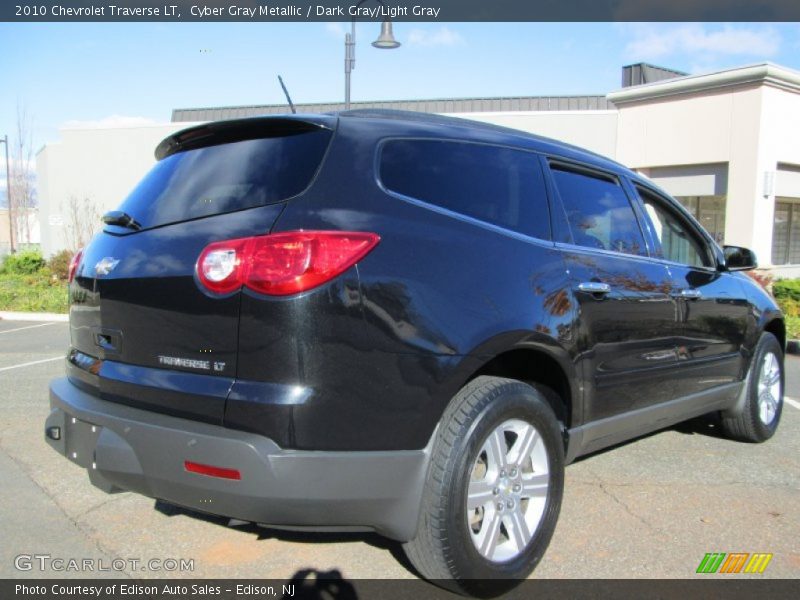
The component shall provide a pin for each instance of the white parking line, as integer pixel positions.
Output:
(26, 327)
(33, 362)
(792, 402)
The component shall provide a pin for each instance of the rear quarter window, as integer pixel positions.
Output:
(226, 177)
(496, 185)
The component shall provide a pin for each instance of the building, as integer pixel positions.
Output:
(26, 234)
(723, 143)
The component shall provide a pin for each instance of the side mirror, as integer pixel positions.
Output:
(739, 259)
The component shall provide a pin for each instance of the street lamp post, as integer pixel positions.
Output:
(385, 41)
(8, 199)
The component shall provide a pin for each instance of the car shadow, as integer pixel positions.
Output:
(264, 532)
(708, 425)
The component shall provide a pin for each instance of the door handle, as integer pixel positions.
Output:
(594, 287)
(691, 294)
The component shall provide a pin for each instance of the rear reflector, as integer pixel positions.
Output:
(211, 471)
(281, 263)
(74, 262)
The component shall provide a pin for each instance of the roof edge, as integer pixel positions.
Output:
(763, 73)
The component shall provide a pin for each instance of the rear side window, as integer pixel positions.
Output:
(501, 186)
(598, 211)
(226, 177)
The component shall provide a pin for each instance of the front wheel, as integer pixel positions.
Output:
(759, 412)
(493, 491)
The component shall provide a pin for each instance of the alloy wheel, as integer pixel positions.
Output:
(769, 388)
(508, 490)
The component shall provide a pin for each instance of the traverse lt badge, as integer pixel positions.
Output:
(105, 265)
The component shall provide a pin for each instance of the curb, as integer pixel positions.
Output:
(29, 316)
(793, 347)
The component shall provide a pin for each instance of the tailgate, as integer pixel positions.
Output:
(143, 331)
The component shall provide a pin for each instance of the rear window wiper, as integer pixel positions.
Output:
(123, 219)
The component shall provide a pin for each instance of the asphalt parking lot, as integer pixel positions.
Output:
(651, 508)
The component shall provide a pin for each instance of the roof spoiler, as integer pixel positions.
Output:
(238, 130)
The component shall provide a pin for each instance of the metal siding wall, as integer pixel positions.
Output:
(445, 105)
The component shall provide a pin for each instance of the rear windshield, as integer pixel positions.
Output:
(227, 177)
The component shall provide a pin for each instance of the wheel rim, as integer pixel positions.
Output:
(507, 490)
(769, 388)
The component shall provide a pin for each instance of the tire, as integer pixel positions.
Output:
(487, 413)
(758, 413)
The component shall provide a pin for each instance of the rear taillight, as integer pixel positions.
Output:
(74, 262)
(281, 263)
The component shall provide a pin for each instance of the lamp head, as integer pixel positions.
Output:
(386, 39)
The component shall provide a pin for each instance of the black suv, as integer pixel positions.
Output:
(409, 324)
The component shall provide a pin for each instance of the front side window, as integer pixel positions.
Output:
(598, 211)
(709, 212)
(678, 242)
(500, 186)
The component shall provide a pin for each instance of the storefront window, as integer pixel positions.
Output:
(786, 233)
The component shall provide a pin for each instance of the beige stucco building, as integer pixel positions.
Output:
(724, 143)
(729, 141)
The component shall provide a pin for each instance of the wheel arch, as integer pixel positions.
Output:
(777, 328)
(544, 366)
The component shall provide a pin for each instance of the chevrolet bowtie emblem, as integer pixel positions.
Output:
(106, 265)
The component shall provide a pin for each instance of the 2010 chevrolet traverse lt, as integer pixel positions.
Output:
(409, 324)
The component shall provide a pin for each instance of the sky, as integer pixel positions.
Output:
(81, 74)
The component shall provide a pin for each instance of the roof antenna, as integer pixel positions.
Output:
(285, 91)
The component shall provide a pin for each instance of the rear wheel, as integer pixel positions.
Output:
(758, 415)
(493, 491)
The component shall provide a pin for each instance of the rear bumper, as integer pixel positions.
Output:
(125, 448)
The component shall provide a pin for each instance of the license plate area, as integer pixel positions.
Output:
(80, 441)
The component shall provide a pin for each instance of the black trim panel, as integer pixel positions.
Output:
(619, 428)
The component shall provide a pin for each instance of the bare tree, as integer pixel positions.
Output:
(83, 221)
(22, 179)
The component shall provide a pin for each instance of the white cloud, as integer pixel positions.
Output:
(337, 30)
(110, 122)
(443, 36)
(699, 42)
